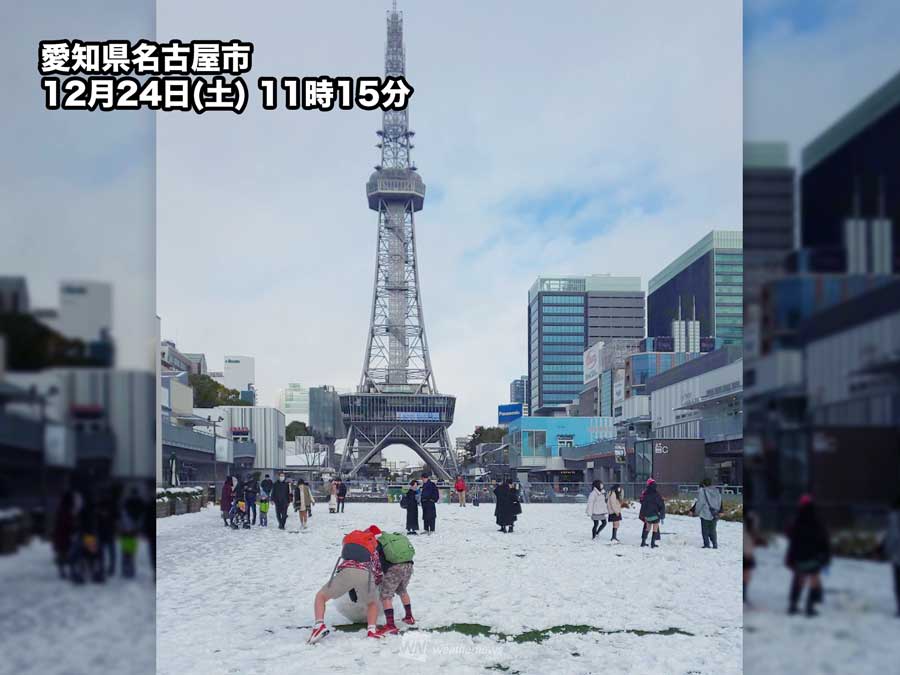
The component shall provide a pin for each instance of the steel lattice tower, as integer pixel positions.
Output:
(397, 401)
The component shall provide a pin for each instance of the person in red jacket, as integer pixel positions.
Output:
(460, 487)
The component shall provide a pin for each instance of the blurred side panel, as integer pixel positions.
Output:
(78, 338)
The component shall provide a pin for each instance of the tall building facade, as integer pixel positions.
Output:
(850, 179)
(566, 315)
(325, 418)
(518, 392)
(240, 374)
(768, 216)
(293, 400)
(709, 277)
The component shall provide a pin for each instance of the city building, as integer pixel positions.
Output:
(174, 360)
(565, 316)
(768, 217)
(518, 392)
(293, 400)
(85, 311)
(707, 277)
(848, 174)
(325, 419)
(240, 374)
(198, 363)
(535, 445)
(262, 425)
(14, 296)
(703, 399)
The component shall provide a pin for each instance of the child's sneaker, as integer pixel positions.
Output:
(387, 630)
(375, 634)
(410, 620)
(320, 631)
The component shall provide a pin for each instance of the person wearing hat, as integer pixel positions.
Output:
(653, 510)
(809, 552)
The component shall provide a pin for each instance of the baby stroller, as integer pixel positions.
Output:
(238, 515)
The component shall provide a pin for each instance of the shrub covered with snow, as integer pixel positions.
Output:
(682, 507)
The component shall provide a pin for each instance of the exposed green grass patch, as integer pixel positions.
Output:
(537, 636)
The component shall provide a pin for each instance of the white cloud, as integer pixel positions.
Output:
(266, 246)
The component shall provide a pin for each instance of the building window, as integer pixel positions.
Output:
(563, 310)
(579, 330)
(563, 319)
(563, 300)
(561, 339)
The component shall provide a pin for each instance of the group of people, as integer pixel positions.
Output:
(86, 530)
(606, 506)
(426, 495)
(372, 568)
(239, 500)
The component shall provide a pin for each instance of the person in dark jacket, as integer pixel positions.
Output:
(225, 501)
(149, 530)
(251, 492)
(64, 534)
(653, 510)
(809, 552)
(412, 508)
(281, 497)
(106, 532)
(341, 495)
(507, 500)
(430, 496)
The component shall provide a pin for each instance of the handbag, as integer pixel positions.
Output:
(517, 508)
(715, 516)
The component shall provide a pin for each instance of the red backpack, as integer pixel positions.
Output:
(359, 545)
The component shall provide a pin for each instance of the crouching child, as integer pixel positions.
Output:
(395, 553)
(357, 571)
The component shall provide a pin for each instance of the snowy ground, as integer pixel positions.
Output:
(49, 626)
(241, 601)
(856, 631)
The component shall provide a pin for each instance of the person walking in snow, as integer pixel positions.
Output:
(265, 492)
(597, 508)
(708, 506)
(809, 552)
(653, 510)
(429, 497)
(226, 499)
(411, 501)
(251, 491)
(281, 497)
(303, 500)
(892, 547)
(614, 504)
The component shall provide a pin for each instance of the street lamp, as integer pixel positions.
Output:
(215, 454)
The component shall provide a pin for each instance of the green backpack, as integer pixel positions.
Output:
(396, 547)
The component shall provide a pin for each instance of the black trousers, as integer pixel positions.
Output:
(340, 504)
(281, 514)
(897, 586)
(429, 515)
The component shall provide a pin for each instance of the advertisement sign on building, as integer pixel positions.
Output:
(591, 362)
(508, 412)
(619, 449)
(619, 388)
(418, 417)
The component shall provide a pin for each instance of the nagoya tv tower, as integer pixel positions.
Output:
(397, 401)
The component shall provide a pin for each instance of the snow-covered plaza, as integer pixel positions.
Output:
(545, 599)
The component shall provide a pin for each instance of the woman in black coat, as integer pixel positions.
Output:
(507, 501)
(809, 551)
(412, 508)
(653, 510)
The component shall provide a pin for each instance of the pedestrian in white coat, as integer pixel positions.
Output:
(597, 510)
(614, 503)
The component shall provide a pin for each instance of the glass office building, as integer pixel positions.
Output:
(565, 316)
(707, 283)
